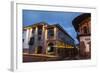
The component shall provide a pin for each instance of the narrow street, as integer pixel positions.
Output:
(42, 58)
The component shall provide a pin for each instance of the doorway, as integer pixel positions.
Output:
(39, 50)
(50, 47)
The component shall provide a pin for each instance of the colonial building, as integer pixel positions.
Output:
(82, 25)
(48, 39)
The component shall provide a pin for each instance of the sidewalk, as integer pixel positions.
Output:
(39, 55)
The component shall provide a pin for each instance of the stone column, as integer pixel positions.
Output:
(36, 39)
(45, 41)
(27, 38)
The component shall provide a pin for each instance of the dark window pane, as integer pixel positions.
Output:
(85, 30)
(50, 32)
(40, 31)
(39, 38)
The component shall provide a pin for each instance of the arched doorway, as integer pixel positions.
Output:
(39, 50)
(50, 47)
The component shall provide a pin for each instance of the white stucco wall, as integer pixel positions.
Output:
(26, 36)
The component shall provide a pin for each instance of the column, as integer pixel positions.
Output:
(36, 39)
(55, 38)
(45, 41)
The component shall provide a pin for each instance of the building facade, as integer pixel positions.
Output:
(48, 39)
(82, 25)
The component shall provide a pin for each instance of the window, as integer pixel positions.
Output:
(40, 31)
(50, 32)
(31, 41)
(62, 36)
(33, 30)
(23, 40)
(85, 30)
(39, 38)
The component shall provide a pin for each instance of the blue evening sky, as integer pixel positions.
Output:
(52, 17)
